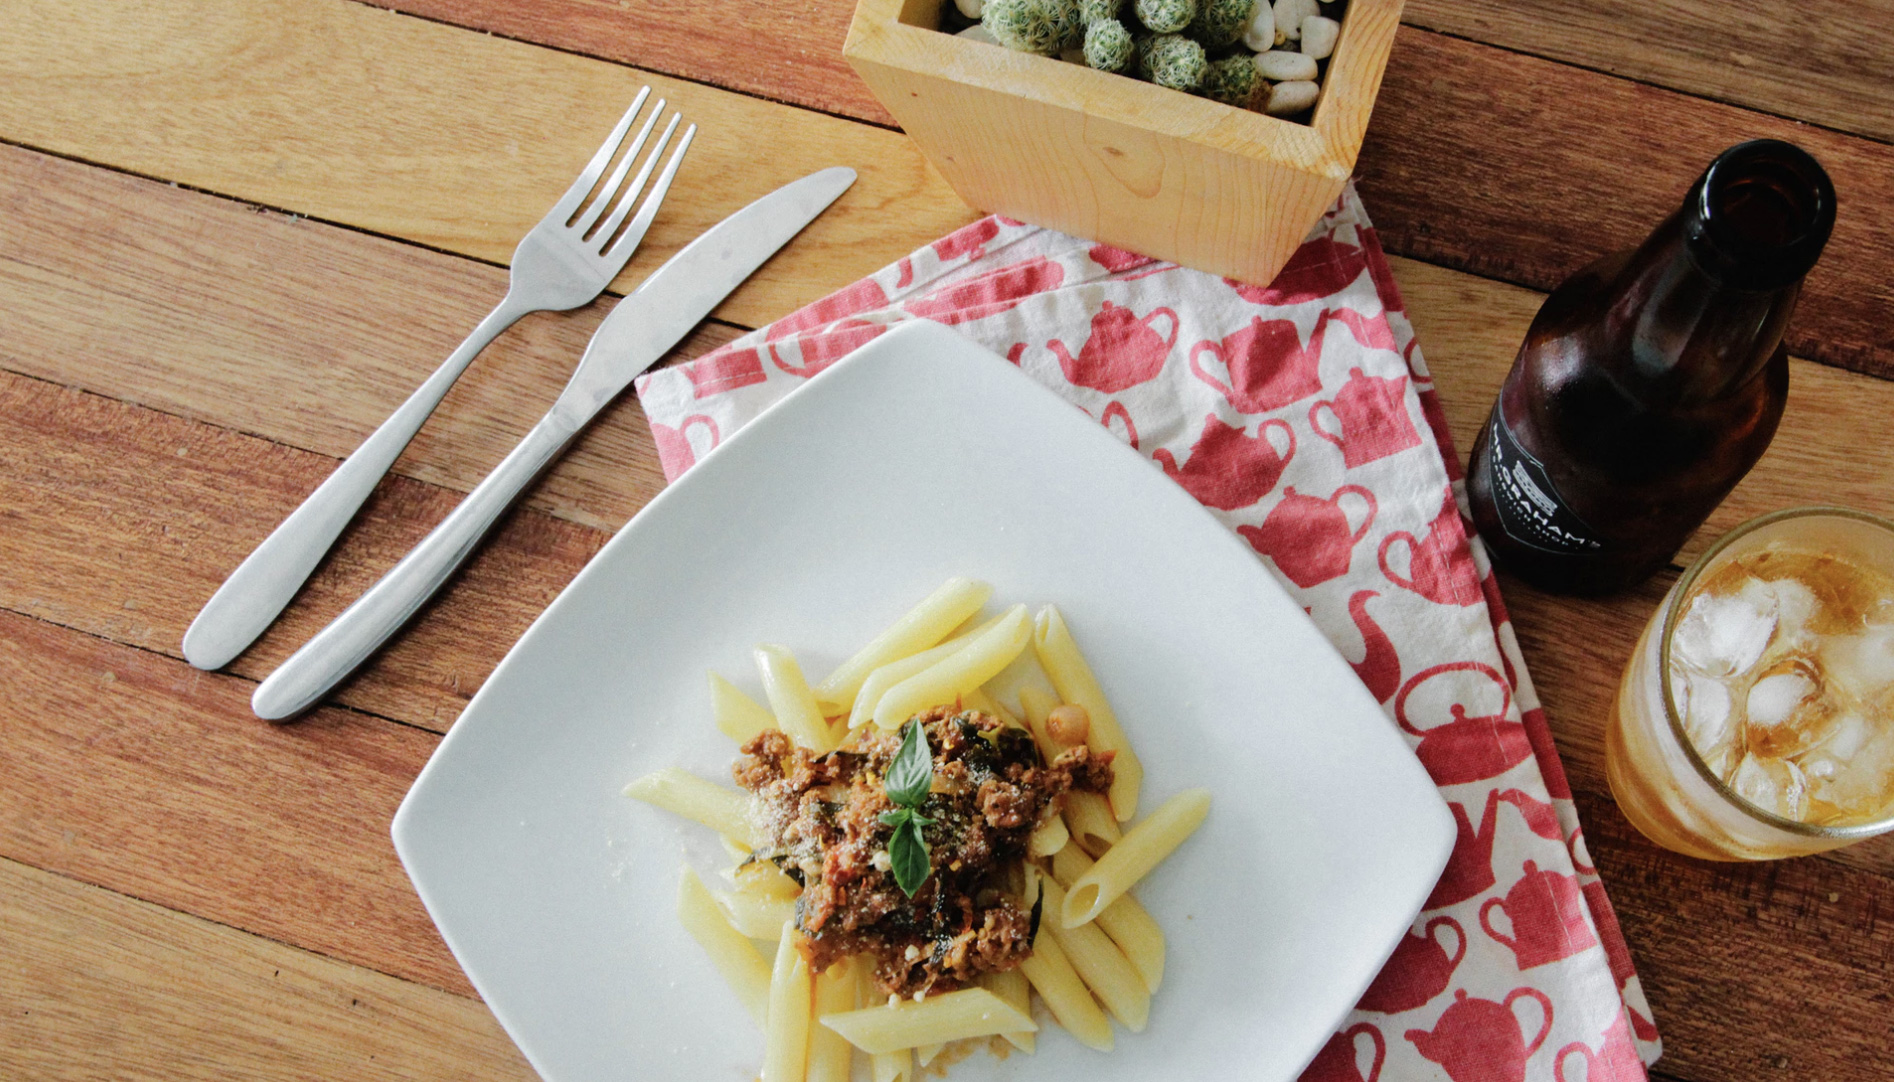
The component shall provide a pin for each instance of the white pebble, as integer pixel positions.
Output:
(1318, 36)
(1260, 34)
(1282, 66)
(970, 8)
(1288, 99)
(1289, 16)
(976, 32)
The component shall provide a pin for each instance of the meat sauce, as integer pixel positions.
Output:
(991, 789)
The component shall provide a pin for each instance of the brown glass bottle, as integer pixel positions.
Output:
(1650, 382)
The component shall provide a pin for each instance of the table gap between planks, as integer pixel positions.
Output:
(189, 344)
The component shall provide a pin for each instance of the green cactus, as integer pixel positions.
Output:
(1233, 81)
(1220, 22)
(1092, 11)
(1165, 16)
(1174, 61)
(1108, 45)
(1031, 26)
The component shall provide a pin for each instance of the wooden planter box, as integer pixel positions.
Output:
(1112, 159)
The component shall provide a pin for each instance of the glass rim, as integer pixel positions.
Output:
(1673, 609)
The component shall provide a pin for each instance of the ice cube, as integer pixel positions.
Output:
(1789, 709)
(1774, 785)
(1773, 700)
(1709, 716)
(1861, 665)
(1853, 770)
(1724, 634)
(1794, 604)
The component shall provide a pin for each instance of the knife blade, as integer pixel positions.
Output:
(641, 329)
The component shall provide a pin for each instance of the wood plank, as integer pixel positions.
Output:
(128, 519)
(1821, 61)
(305, 333)
(100, 985)
(1506, 165)
(422, 131)
(135, 771)
(801, 65)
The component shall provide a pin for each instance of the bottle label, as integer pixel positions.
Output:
(1530, 508)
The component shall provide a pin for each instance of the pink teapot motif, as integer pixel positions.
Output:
(1418, 970)
(988, 294)
(1340, 1059)
(675, 451)
(1480, 1040)
(1228, 470)
(1116, 411)
(1440, 565)
(1615, 1061)
(1371, 420)
(969, 241)
(1467, 748)
(865, 295)
(1469, 871)
(724, 370)
(1122, 351)
(1309, 538)
(1380, 666)
(1322, 267)
(1267, 364)
(1547, 914)
(817, 351)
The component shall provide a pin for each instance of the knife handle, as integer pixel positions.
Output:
(263, 584)
(338, 649)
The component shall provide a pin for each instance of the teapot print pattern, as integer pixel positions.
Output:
(1228, 470)
(1418, 970)
(1308, 538)
(1267, 365)
(1340, 1059)
(1437, 564)
(1371, 419)
(1480, 1040)
(1122, 351)
(1467, 748)
(1547, 915)
(1615, 1061)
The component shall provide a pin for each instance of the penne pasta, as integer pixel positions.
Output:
(731, 953)
(1089, 819)
(1124, 920)
(928, 1053)
(921, 627)
(1037, 702)
(1099, 962)
(791, 701)
(786, 1036)
(967, 668)
(950, 1016)
(891, 1066)
(1051, 973)
(763, 877)
(680, 792)
(1011, 985)
(894, 672)
(831, 1058)
(1142, 848)
(737, 715)
(1050, 837)
(759, 916)
(1073, 678)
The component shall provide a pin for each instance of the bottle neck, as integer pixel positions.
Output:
(1684, 330)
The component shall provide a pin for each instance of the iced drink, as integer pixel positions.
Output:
(1756, 719)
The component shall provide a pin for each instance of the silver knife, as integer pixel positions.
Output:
(647, 323)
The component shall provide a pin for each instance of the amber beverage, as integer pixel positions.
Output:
(1651, 381)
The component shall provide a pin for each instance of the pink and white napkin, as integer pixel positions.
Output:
(1303, 416)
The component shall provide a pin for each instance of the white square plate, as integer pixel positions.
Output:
(919, 457)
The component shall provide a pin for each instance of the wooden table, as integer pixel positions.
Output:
(233, 235)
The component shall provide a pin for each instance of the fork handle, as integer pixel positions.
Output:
(338, 649)
(263, 584)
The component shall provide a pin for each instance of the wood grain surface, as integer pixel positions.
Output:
(99, 985)
(189, 893)
(1478, 158)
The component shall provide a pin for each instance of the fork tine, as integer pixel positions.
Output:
(595, 168)
(634, 233)
(610, 190)
(603, 237)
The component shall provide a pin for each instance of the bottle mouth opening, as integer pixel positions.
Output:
(1761, 214)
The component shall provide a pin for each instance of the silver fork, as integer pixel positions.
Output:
(564, 262)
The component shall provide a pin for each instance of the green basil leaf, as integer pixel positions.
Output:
(912, 772)
(894, 818)
(908, 857)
